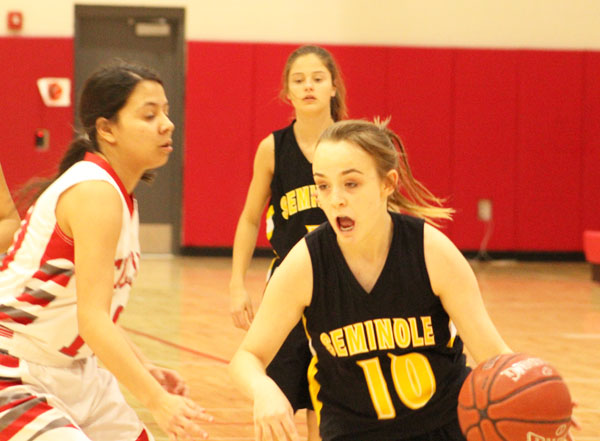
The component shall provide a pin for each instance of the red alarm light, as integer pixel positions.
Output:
(14, 20)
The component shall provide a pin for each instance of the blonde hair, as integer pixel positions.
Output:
(388, 152)
(338, 102)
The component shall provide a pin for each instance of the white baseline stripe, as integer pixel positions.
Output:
(581, 336)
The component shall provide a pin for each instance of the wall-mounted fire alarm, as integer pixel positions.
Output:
(14, 20)
(42, 139)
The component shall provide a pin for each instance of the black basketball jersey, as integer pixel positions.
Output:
(293, 210)
(387, 364)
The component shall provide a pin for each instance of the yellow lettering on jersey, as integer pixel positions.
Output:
(314, 202)
(337, 338)
(309, 228)
(417, 340)
(371, 335)
(284, 208)
(270, 224)
(401, 333)
(291, 202)
(380, 395)
(355, 338)
(413, 379)
(453, 331)
(428, 331)
(303, 198)
(385, 335)
(379, 334)
(326, 341)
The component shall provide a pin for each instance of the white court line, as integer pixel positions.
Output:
(581, 336)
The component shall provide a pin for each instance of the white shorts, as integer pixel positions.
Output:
(79, 403)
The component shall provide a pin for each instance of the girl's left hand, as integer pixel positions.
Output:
(170, 380)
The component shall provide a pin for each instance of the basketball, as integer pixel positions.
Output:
(514, 397)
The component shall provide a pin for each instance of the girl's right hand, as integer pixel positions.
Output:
(241, 308)
(179, 416)
(273, 415)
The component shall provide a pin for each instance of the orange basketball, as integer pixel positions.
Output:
(514, 397)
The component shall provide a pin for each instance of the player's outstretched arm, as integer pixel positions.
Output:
(453, 280)
(246, 233)
(289, 291)
(91, 213)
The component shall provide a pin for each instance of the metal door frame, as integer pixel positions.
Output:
(177, 17)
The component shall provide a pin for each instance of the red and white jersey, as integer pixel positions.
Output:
(38, 302)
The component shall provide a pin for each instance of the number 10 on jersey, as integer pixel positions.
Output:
(413, 380)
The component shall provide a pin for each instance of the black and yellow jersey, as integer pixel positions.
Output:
(387, 364)
(293, 210)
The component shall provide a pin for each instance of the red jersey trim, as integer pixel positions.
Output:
(18, 242)
(101, 162)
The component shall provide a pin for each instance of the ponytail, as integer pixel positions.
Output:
(385, 147)
(75, 153)
(35, 187)
(410, 195)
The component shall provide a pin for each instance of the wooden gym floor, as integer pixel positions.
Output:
(179, 315)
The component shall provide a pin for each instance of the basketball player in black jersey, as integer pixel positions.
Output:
(283, 173)
(381, 295)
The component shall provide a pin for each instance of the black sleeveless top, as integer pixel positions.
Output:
(387, 364)
(293, 209)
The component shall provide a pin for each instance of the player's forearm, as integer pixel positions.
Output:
(248, 372)
(243, 249)
(146, 362)
(111, 347)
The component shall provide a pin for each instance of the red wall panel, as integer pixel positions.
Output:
(419, 99)
(485, 105)
(364, 70)
(519, 127)
(218, 152)
(591, 144)
(549, 150)
(24, 60)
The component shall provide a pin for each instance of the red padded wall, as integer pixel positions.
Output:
(549, 142)
(521, 127)
(24, 60)
(218, 152)
(364, 71)
(590, 210)
(419, 99)
(485, 102)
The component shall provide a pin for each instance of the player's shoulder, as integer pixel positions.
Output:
(267, 143)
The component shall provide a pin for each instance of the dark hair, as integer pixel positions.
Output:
(388, 152)
(338, 102)
(104, 93)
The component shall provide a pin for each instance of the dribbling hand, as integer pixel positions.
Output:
(273, 415)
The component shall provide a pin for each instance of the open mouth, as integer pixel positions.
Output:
(344, 223)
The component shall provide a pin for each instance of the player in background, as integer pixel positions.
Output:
(312, 84)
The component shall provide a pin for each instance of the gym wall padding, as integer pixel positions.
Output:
(519, 127)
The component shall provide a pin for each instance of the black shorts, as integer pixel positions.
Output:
(289, 368)
(449, 432)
